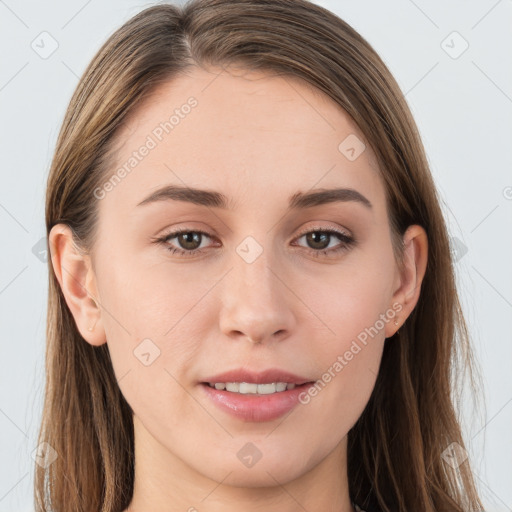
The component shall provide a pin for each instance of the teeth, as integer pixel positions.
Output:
(249, 388)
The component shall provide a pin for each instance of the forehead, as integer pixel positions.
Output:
(243, 132)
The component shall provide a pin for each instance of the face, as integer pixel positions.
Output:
(268, 280)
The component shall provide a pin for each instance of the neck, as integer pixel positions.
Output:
(166, 483)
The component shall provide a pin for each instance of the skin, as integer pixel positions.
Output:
(258, 139)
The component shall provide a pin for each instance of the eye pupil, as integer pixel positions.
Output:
(318, 237)
(189, 237)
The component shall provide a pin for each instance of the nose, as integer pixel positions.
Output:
(256, 304)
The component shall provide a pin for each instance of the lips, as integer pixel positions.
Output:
(263, 377)
(252, 407)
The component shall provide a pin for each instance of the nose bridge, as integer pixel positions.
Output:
(254, 299)
(252, 276)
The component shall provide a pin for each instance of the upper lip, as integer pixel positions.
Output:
(263, 377)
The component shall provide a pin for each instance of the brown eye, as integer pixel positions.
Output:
(318, 241)
(190, 240)
(187, 243)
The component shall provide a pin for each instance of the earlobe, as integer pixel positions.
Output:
(76, 278)
(411, 277)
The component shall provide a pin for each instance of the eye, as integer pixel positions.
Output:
(189, 242)
(320, 240)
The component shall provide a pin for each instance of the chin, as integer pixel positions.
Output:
(256, 477)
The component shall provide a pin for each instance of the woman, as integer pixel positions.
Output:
(252, 301)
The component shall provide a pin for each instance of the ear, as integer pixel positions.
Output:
(78, 283)
(408, 281)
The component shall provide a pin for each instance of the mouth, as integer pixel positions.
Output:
(252, 388)
(255, 396)
(244, 377)
(251, 402)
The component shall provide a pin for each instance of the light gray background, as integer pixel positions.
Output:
(463, 107)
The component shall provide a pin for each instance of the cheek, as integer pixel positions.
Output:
(349, 300)
(152, 339)
(351, 310)
(149, 300)
(156, 318)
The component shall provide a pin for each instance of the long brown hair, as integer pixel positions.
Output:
(395, 450)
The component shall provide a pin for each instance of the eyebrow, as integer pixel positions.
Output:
(214, 199)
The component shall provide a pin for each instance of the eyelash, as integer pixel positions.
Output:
(347, 242)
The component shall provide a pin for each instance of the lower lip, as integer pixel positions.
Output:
(256, 408)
